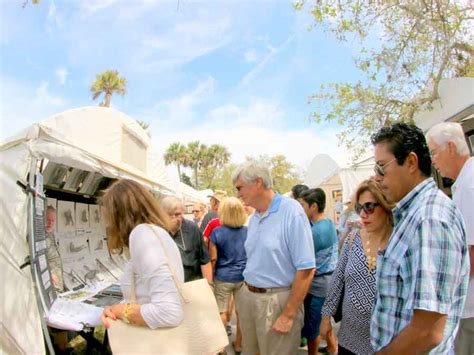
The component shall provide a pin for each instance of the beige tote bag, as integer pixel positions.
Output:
(201, 331)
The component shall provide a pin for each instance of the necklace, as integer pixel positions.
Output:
(371, 260)
(182, 246)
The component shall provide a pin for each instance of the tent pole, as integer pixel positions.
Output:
(31, 241)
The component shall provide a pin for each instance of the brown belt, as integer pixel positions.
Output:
(266, 290)
(256, 289)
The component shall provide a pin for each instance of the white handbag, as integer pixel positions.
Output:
(201, 331)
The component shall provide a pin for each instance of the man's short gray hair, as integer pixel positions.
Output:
(445, 132)
(170, 203)
(251, 171)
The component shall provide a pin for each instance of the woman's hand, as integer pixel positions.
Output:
(107, 313)
(325, 327)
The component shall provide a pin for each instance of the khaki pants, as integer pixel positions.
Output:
(258, 312)
(464, 342)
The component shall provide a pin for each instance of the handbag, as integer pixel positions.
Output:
(338, 314)
(200, 332)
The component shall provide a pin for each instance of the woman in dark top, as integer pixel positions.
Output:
(228, 257)
(356, 270)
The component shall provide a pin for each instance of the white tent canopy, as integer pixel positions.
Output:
(95, 139)
(191, 195)
(323, 168)
(455, 95)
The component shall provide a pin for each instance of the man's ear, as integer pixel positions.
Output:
(412, 162)
(314, 207)
(452, 149)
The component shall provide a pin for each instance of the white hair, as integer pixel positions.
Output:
(253, 170)
(445, 132)
(170, 203)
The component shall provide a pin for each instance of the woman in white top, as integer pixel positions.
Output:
(135, 220)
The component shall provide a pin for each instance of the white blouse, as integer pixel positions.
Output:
(155, 289)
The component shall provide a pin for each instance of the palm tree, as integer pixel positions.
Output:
(214, 159)
(196, 152)
(107, 83)
(176, 154)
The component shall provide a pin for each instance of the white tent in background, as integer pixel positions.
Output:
(94, 139)
(323, 168)
(455, 103)
(191, 195)
(352, 176)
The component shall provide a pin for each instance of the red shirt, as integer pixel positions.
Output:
(213, 223)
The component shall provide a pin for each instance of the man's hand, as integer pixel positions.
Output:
(283, 324)
(55, 280)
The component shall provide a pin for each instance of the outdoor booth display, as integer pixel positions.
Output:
(63, 162)
(338, 183)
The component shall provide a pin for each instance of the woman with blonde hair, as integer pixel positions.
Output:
(228, 257)
(354, 280)
(135, 222)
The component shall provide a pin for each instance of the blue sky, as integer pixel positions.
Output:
(236, 73)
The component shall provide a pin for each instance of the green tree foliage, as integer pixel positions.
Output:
(177, 154)
(223, 180)
(205, 162)
(284, 173)
(108, 83)
(196, 153)
(407, 47)
(214, 159)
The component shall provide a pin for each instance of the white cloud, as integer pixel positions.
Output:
(184, 41)
(272, 52)
(44, 97)
(299, 146)
(259, 112)
(182, 110)
(253, 130)
(250, 56)
(61, 74)
(23, 105)
(54, 17)
(95, 5)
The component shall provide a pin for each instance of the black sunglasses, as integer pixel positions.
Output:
(368, 207)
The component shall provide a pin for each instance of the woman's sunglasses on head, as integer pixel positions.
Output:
(367, 207)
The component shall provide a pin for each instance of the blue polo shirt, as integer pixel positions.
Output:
(278, 244)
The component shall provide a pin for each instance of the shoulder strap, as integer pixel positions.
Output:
(178, 283)
(179, 287)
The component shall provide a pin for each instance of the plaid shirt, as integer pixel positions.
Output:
(425, 266)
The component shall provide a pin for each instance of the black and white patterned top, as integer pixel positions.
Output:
(353, 273)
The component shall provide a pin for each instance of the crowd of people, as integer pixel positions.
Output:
(396, 272)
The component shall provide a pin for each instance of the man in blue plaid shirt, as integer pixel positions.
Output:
(422, 276)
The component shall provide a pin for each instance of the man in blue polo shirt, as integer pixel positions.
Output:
(280, 265)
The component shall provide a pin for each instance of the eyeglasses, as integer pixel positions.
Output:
(196, 211)
(380, 169)
(368, 207)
